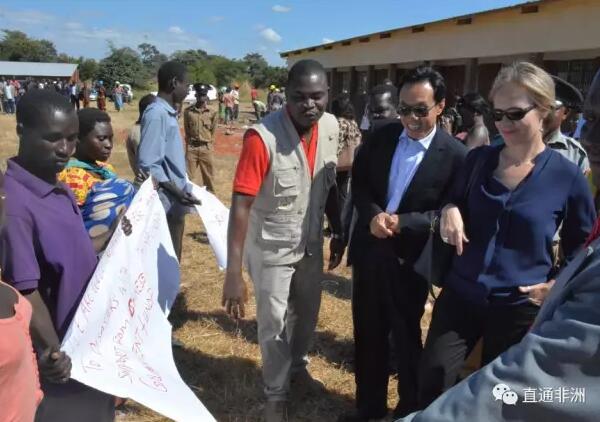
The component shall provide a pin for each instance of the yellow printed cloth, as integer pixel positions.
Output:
(81, 181)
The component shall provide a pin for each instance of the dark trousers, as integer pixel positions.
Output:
(75, 101)
(456, 326)
(343, 184)
(228, 115)
(387, 297)
(258, 112)
(74, 402)
(9, 107)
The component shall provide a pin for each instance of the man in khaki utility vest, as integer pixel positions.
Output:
(284, 184)
(200, 124)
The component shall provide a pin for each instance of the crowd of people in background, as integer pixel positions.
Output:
(80, 94)
(486, 196)
(10, 92)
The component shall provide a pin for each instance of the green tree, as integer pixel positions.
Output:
(189, 57)
(16, 46)
(201, 71)
(256, 68)
(276, 76)
(123, 65)
(65, 58)
(88, 69)
(152, 58)
(227, 71)
(139, 67)
(148, 53)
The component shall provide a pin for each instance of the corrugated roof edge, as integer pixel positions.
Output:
(38, 68)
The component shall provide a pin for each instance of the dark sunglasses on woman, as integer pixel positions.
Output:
(513, 114)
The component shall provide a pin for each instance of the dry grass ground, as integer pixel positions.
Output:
(220, 359)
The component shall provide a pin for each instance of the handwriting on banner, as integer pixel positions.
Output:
(137, 300)
(120, 339)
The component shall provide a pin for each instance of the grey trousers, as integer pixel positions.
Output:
(288, 298)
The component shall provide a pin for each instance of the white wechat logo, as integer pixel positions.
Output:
(504, 393)
(499, 390)
(510, 398)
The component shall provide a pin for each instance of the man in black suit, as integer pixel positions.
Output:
(399, 180)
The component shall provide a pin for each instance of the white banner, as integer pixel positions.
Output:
(120, 340)
(215, 217)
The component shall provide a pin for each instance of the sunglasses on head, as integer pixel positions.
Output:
(513, 113)
(418, 111)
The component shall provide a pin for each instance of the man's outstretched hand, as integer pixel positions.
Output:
(235, 295)
(189, 200)
(184, 198)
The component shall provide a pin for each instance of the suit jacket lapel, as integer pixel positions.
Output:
(431, 162)
(385, 157)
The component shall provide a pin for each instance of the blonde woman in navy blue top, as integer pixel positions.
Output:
(520, 194)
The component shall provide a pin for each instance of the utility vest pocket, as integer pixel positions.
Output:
(285, 229)
(285, 188)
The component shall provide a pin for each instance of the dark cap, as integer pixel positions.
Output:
(201, 88)
(568, 94)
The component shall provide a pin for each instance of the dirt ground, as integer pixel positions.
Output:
(220, 359)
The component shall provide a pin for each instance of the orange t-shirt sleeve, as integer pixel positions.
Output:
(252, 166)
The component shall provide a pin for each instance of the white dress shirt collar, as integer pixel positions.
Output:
(425, 142)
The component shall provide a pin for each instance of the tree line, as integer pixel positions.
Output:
(139, 66)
